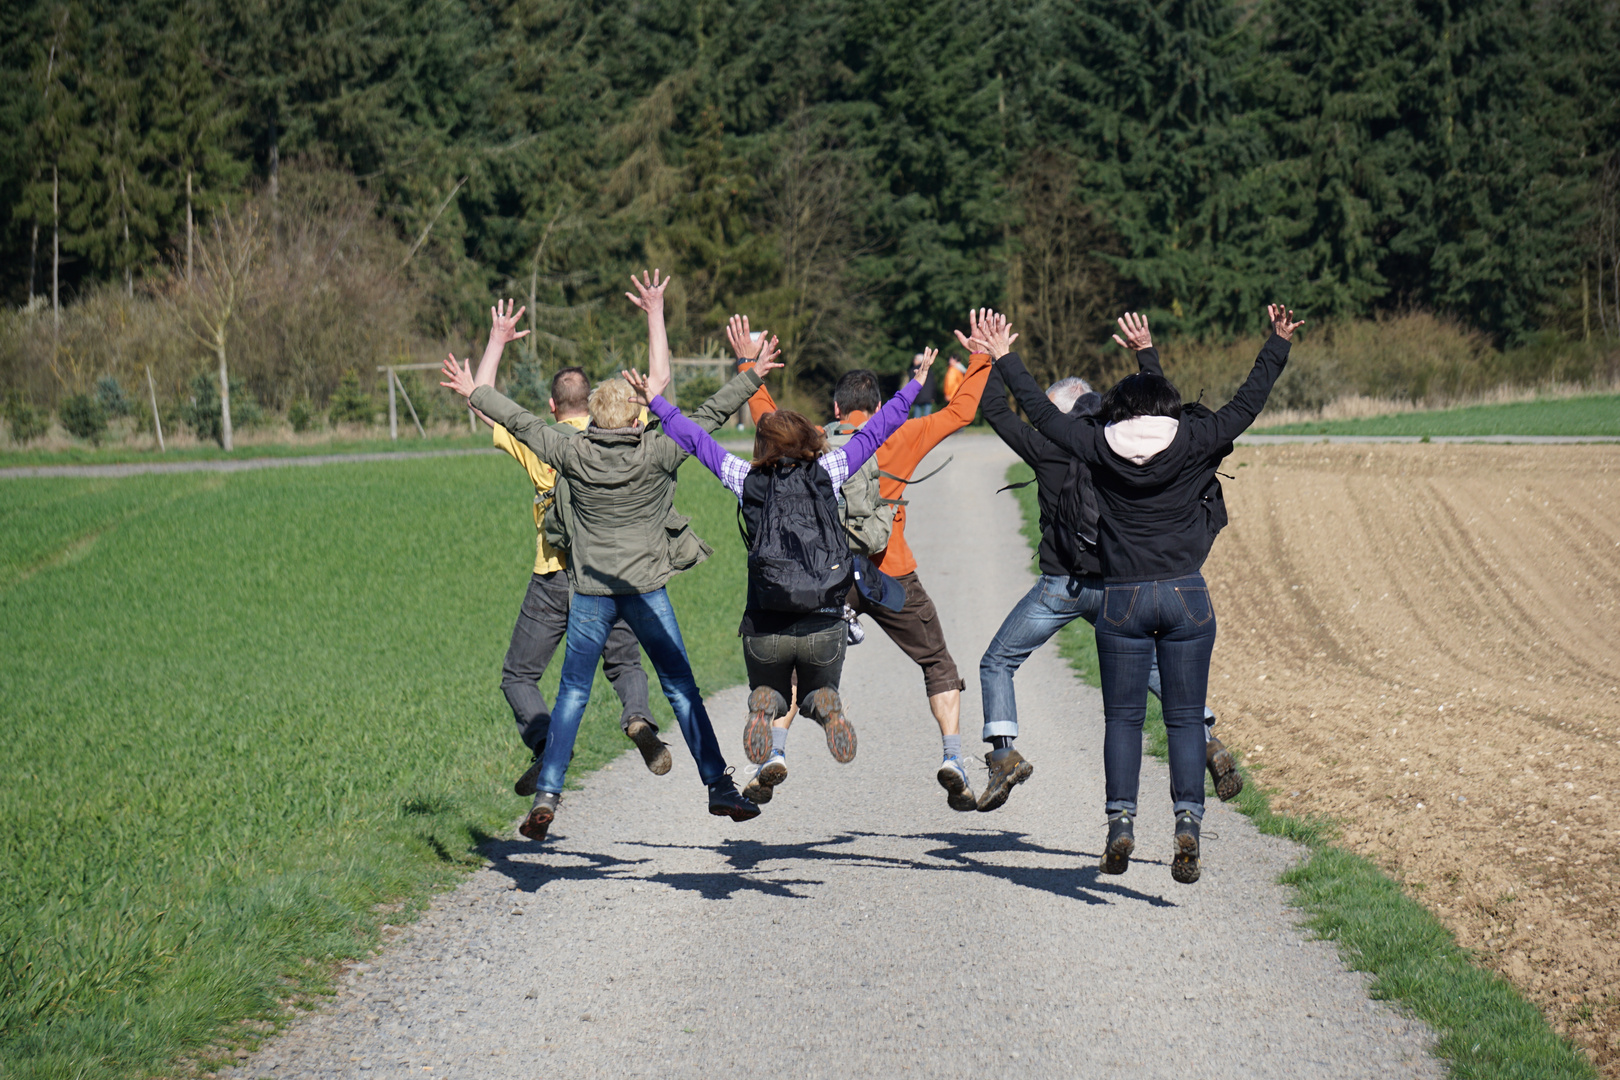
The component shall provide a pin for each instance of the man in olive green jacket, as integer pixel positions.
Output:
(625, 542)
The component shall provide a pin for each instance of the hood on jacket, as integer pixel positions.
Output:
(1141, 438)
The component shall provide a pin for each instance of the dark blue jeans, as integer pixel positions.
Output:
(651, 617)
(1052, 604)
(1173, 622)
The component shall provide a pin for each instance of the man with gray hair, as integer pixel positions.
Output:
(1070, 585)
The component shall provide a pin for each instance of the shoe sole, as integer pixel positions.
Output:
(1185, 867)
(1117, 857)
(757, 738)
(996, 794)
(527, 784)
(653, 750)
(1224, 771)
(763, 786)
(538, 822)
(958, 795)
(840, 738)
(733, 813)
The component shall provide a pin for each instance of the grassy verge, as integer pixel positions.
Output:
(248, 715)
(1595, 415)
(1486, 1030)
(124, 455)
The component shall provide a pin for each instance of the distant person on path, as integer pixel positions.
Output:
(1070, 586)
(930, 390)
(800, 567)
(1153, 462)
(625, 542)
(879, 531)
(544, 615)
(955, 372)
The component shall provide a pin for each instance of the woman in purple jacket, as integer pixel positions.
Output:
(800, 640)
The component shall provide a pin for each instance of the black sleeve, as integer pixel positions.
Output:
(1005, 423)
(1233, 418)
(1148, 360)
(1074, 434)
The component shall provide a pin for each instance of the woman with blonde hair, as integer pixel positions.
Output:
(799, 563)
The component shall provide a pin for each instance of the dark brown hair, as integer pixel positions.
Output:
(784, 435)
(570, 390)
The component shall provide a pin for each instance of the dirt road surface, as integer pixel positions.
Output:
(1423, 642)
(860, 927)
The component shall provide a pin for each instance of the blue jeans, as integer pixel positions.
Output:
(1172, 622)
(1052, 604)
(651, 617)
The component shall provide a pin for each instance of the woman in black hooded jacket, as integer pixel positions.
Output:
(1153, 463)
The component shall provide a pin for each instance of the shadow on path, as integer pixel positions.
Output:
(970, 852)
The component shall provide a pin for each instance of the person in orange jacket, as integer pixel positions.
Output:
(954, 374)
(915, 628)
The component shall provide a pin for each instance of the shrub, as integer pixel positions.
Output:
(26, 422)
(202, 414)
(84, 417)
(350, 403)
(695, 391)
(111, 396)
(527, 385)
(301, 415)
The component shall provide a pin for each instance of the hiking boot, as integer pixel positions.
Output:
(954, 779)
(1222, 769)
(525, 784)
(1008, 769)
(1121, 842)
(1184, 867)
(773, 772)
(726, 801)
(654, 751)
(541, 814)
(824, 707)
(764, 705)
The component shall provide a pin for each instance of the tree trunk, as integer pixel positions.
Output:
(275, 161)
(190, 227)
(129, 270)
(33, 262)
(56, 247)
(224, 390)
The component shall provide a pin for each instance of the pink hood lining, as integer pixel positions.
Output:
(1138, 439)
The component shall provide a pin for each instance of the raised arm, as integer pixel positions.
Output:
(1233, 418)
(886, 421)
(503, 329)
(1134, 325)
(649, 297)
(526, 427)
(727, 400)
(1072, 433)
(1019, 436)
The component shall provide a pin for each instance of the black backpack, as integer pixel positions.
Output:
(1074, 532)
(798, 557)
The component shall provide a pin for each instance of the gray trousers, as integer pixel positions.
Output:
(541, 624)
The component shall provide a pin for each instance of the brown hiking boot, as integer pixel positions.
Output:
(1184, 867)
(1008, 769)
(824, 707)
(541, 815)
(764, 705)
(654, 751)
(760, 789)
(1121, 842)
(1222, 769)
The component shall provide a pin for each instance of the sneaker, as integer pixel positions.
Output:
(1184, 867)
(825, 708)
(1008, 769)
(764, 705)
(540, 816)
(773, 772)
(525, 784)
(854, 632)
(726, 801)
(954, 779)
(1222, 769)
(1121, 842)
(654, 751)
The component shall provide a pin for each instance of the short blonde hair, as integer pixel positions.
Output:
(612, 405)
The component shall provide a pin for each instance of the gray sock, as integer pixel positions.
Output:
(953, 746)
(779, 739)
(1209, 726)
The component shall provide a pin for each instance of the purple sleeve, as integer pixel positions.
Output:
(692, 438)
(885, 422)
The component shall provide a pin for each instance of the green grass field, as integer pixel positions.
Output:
(1486, 1029)
(1595, 415)
(247, 709)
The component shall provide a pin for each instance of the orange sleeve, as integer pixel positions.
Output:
(762, 402)
(958, 413)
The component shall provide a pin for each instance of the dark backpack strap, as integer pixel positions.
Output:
(920, 479)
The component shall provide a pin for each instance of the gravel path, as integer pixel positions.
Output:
(234, 465)
(859, 927)
(1253, 439)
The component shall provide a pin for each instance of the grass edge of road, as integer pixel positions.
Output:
(1486, 1029)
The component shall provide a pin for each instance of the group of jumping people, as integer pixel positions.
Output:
(1129, 500)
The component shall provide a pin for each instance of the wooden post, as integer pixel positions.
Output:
(156, 423)
(393, 412)
(414, 418)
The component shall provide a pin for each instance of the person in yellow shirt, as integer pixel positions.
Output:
(543, 618)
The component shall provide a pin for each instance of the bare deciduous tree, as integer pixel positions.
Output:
(225, 264)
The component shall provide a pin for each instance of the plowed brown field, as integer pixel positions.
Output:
(1423, 643)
